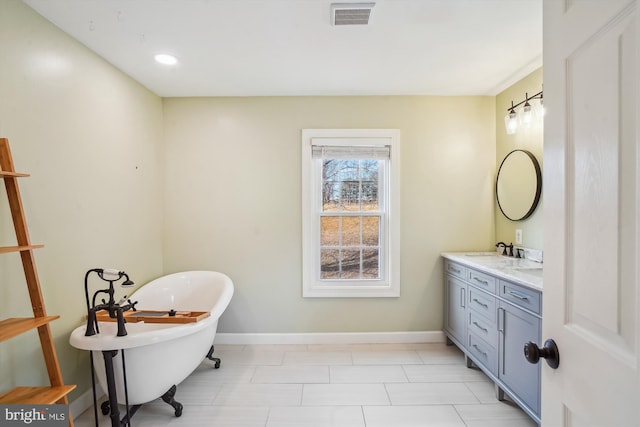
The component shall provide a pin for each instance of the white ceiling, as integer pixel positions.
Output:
(289, 47)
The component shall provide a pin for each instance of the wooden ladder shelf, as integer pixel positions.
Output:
(57, 392)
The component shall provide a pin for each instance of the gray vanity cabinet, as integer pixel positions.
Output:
(491, 319)
(455, 303)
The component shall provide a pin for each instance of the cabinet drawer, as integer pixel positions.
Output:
(482, 303)
(455, 269)
(484, 353)
(521, 296)
(483, 281)
(483, 328)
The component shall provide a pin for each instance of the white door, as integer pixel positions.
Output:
(592, 212)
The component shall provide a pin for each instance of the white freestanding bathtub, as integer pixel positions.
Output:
(159, 355)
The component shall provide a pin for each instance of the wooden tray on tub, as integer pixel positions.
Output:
(158, 316)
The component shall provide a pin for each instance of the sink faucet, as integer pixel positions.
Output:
(503, 246)
(507, 249)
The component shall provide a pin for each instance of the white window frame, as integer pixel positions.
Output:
(389, 283)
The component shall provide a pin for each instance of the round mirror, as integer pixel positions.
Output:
(518, 185)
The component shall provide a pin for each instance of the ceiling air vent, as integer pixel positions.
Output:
(351, 13)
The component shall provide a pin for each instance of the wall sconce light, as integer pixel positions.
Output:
(524, 117)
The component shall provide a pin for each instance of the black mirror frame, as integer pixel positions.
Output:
(536, 198)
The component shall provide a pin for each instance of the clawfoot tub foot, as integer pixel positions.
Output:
(105, 408)
(168, 398)
(213, 359)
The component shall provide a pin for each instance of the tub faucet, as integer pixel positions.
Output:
(115, 309)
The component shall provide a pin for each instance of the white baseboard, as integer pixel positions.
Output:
(84, 402)
(332, 338)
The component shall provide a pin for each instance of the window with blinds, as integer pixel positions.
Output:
(349, 241)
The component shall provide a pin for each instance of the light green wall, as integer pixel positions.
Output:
(233, 201)
(524, 139)
(91, 139)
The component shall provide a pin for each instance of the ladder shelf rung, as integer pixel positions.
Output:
(9, 174)
(8, 249)
(15, 326)
(35, 395)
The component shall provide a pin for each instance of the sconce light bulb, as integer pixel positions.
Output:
(511, 122)
(526, 115)
(540, 110)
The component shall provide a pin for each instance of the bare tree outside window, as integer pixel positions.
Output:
(350, 219)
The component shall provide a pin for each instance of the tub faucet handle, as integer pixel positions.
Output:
(122, 331)
(129, 306)
(91, 323)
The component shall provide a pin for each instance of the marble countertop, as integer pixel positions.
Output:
(517, 270)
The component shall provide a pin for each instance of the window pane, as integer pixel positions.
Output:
(350, 185)
(331, 170)
(350, 264)
(350, 195)
(330, 185)
(349, 170)
(329, 264)
(350, 231)
(349, 189)
(370, 264)
(329, 233)
(330, 196)
(369, 182)
(370, 230)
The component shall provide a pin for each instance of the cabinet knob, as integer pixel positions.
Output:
(533, 353)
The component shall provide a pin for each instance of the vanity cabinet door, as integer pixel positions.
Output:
(455, 309)
(517, 327)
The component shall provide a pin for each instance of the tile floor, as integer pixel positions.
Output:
(363, 385)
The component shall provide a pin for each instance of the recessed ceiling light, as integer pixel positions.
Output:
(166, 59)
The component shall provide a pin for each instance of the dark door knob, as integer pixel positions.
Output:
(533, 353)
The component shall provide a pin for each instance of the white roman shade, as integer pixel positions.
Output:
(364, 152)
